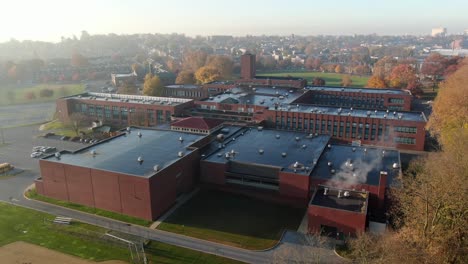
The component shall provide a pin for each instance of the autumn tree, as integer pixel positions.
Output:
(78, 60)
(317, 81)
(383, 67)
(346, 81)
(224, 64)
(185, 77)
(434, 65)
(127, 88)
(361, 70)
(194, 60)
(207, 74)
(376, 82)
(402, 75)
(153, 86)
(450, 108)
(339, 68)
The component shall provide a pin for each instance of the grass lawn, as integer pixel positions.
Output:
(331, 79)
(83, 240)
(233, 220)
(10, 95)
(124, 218)
(59, 128)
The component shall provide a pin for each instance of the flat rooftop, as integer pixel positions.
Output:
(357, 165)
(331, 110)
(356, 90)
(355, 201)
(137, 99)
(266, 147)
(120, 154)
(267, 97)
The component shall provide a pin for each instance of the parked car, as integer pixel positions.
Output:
(65, 138)
(36, 154)
(37, 148)
(48, 149)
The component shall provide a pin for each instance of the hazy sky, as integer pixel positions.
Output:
(50, 19)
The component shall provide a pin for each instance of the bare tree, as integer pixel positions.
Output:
(76, 121)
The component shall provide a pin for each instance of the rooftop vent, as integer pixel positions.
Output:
(284, 154)
(93, 152)
(261, 151)
(365, 150)
(220, 154)
(297, 138)
(156, 167)
(385, 116)
(260, 128)
(340, 194)
(353, 149)
(57, 155)
(368, 113)
(180, 154)
(400, 116)
(140, 159)
(329, 164)
(383, 152)
(304, 146)
(219, 138)
(277, 136)
(332, 171)
(395, 165)
(314, 161)
(181, 139)
(329, 146)
(139, 134)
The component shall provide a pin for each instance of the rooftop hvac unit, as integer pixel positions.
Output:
(156, 167)
(284, 154)
(180, 154)
(140, 159)
(139, 134)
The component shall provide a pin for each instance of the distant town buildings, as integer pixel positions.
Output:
(439, 32)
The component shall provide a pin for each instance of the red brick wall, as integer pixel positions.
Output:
(419, 136)
(345, 221)
(294, 185)
(79, 185)
(54, 181)
(213, 173)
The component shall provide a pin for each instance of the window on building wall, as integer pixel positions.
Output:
(108, 112)
(404, 140)
(115, 112)
(91, 110)
(99, 112)
(124, 113)
(160, 116)
(84, 108)
(396, 100)
(77, 107)
(168, 116)
(150, 113)
(406, 129)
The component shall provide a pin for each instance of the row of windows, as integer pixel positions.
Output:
(405, 129)
(396, 100)
(191, 130)
(404, 140)
(122, 113)
(336, 128)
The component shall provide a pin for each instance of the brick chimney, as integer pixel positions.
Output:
(382, 187)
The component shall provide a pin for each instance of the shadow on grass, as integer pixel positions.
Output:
(233, 219)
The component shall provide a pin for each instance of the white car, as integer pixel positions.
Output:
(36, 154)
